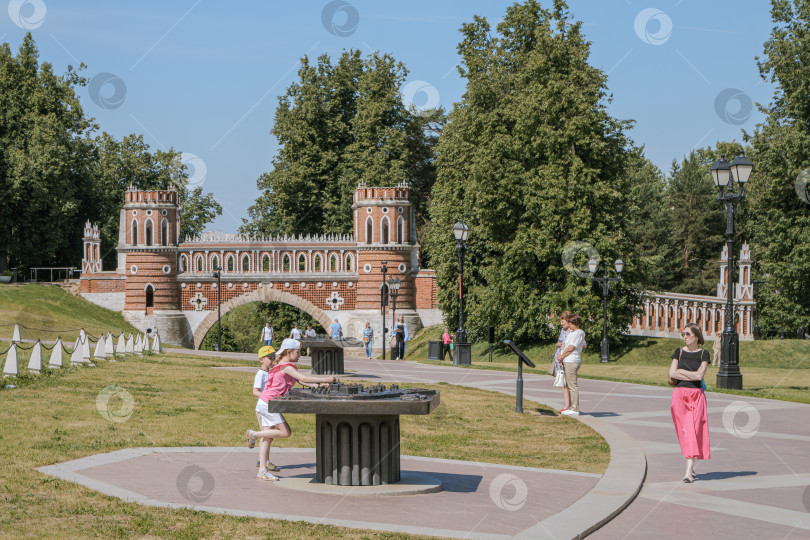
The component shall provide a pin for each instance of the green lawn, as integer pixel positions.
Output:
(178, 400)
(49, 311)
(776, 369)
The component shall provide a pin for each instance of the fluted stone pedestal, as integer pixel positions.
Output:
(357, 450)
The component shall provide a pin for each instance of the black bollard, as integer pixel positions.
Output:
(522, 359)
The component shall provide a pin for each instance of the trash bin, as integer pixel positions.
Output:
(434, 350)
(462, 354)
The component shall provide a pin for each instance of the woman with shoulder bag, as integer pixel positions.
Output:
(688, 405)
(368, 338)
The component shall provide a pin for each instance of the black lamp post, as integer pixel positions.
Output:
(393, 288)
(461, 350)
(218, 275)
(724, 175)
(383, 302)
(605, 282)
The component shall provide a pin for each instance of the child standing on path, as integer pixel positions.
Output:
(281, 378)
(267, 357)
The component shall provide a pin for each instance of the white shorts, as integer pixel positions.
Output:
(268, 419)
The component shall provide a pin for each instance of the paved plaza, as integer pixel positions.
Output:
(755, 485)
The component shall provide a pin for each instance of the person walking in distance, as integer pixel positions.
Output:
(368, 338)
(267, 334)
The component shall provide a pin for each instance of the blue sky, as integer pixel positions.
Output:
(204, 77)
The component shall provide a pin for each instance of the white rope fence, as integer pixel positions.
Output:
(81, 354)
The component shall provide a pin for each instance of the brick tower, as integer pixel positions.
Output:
(148, 244)
(383, 227)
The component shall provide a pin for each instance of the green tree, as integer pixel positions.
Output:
(696, 222)
(43, 150)
(116, 165)
(648, 227)
(778, 212)
(533, 162)
(337, 125)
(241, 326)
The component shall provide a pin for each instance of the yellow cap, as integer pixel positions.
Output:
(267, 350)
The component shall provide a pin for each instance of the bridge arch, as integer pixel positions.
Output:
(266, 295)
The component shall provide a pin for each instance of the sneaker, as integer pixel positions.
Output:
(563, 410)
(251, 438)
(569, 412)
(270, 465)
(264, 475)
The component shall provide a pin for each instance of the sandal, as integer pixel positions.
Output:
(270, 465)
(251, 438)
(264, 475)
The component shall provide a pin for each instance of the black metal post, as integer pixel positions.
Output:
(461, 333)
(519, 388)
(218, 274)
(729, 376)
(384, 270)
(605, 282)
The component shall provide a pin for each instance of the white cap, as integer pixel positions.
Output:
(289, 344)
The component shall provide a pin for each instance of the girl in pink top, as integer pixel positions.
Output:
(281, 378)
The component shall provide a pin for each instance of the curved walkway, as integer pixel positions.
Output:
(755, 485)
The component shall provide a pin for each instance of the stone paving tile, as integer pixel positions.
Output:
(476, 498)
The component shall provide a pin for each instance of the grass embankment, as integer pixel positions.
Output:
(49, 312)
(775, 369)
(179, 401)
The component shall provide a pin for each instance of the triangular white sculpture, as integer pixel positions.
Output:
(11, 368)
(85, 344)
(76, 357)
(130, 348)
(157, 346)
(146, 345)
(56, 354)
(108, 345)
(35, 362)
(16, 335)
(100, 352)
(121, 346)
(138, 345)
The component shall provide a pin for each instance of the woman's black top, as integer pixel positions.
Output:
(690, 361)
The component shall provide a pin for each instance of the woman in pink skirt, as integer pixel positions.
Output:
(688, 408)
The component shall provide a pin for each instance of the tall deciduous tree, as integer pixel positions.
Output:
(43, 148)
(778, 208)
(533, 162)
(54, 175)
(337, 125)
(116, 165)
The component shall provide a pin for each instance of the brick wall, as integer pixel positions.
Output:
(102, 284)
(426, 289)
(318, 295)
(368, 284)
(150, 268)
